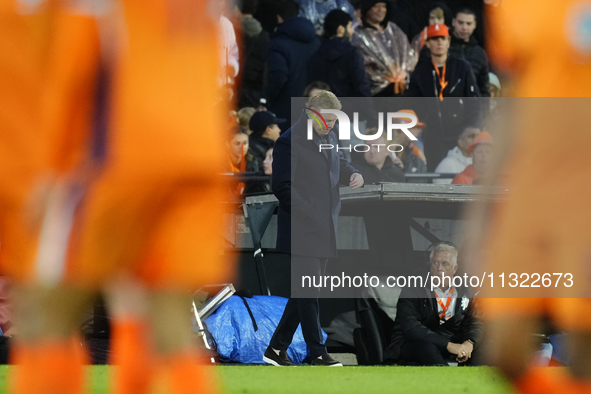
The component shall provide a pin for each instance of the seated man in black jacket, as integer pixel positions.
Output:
(377, 164)
(432, 327)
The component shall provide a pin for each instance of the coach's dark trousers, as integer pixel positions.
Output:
(302, 307)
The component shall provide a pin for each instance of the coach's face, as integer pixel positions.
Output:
(442, 264)
(330, 119)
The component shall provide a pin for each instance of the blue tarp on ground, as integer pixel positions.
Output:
(232, 328)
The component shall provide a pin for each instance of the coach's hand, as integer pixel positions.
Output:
(462, 351)
(356, 181)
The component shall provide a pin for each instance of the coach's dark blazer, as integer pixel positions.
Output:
(306, 183)
(417, 320)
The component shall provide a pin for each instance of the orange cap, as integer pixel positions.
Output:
(437, 31)
(420, 125)
(482, 138)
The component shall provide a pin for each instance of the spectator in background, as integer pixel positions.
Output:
(385, 49)
(459, 157)
(244, 115)
(416, 131)
(377, 165)
(464, 46)
(315, 87)
(240, 158)
(291, 47)
(412, 163)
(266, 13)
(495, 93)
(268, 162)
(265, 131)
(262, 186)
(255, 47)
(228, 52)
(444, 76)
(495, 85)
(481, 150)
(337, 62)
(316, 10)
(436, 17)
(454, 76)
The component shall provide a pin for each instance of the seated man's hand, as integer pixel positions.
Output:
(469, 346)
(453, 348)
(462, 351)
(356, 181)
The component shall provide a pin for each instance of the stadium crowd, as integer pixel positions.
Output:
(364, 49)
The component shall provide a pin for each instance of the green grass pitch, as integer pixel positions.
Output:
(358, 380)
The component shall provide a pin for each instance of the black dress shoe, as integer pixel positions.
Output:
(326, 360)
(277, 358)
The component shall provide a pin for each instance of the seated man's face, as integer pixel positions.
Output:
(467, 138)
(482, 157)
(442, 264)
(375, 157)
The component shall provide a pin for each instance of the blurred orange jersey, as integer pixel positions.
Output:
(153, 202)
(543, 228)
(157, 206)
(545, 47)
(46, 54)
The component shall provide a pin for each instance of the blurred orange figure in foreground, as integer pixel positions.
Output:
(543, 227)
(108, 163)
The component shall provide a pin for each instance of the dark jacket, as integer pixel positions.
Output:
(417, 319)
(290, 50)
(371, 173)
(339, 64)
(461, 82)
(259, 146)
(475, 55)
(412, 163)
(306, 183)
(253, 59)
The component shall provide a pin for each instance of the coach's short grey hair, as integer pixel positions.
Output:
(445, 248)
(324, 100)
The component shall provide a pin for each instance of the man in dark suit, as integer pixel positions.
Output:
(306, 182)
(433, 327)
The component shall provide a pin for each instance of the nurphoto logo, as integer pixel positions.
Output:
(395, 121)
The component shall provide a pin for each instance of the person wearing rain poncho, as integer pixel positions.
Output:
(316, 10)
(388, 55)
